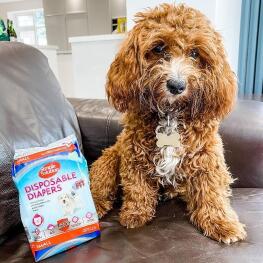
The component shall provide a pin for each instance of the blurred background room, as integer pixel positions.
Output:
(81, 37)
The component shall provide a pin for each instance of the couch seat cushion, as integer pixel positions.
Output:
(169, 238)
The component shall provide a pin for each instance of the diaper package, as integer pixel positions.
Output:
(56, 205)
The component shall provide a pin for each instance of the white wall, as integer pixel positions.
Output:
(227, 21)
(19, 6)
(224, 14)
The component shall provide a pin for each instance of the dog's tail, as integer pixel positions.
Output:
(104, 179)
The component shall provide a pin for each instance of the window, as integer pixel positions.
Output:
(30, 26)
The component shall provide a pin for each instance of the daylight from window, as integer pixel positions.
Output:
(30, 26)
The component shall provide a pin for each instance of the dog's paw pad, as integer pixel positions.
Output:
(227, 232)
(102, 207)
(229, 240)
(133, 220)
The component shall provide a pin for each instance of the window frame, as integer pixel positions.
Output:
(31, 12)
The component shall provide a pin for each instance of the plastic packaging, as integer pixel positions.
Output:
(56, 205)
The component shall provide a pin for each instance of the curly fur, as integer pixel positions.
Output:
(166, 161)
(137, 86)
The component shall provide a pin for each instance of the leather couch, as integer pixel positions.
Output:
(169, 237)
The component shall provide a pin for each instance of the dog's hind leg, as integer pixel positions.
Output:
(104, 180)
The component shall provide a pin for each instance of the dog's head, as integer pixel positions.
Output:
(65, 199)
(172, 60)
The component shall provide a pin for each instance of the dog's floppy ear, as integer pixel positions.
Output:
(220, 92)
(124, 71)
(227, 86)
(226, 83)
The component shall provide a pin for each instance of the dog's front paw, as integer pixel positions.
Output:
(133, 219)
(225, 231)
(102, 207)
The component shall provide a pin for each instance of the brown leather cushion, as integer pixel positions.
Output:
(99, 125)
(169, 238)
(242, 134)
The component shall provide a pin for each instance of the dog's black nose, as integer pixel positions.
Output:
(176, 86)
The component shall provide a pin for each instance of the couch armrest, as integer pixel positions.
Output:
(99, 125)
(242, 134)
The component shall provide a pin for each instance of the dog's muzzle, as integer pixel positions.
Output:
(176, 86)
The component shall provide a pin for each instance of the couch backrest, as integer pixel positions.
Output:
(242, 134)
(33, 112)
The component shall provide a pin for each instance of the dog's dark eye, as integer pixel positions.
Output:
(159, 49)
(194, 53)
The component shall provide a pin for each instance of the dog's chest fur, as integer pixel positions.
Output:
(160, 163)
(168, 151)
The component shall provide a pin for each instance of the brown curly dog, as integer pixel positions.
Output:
(172, 81)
